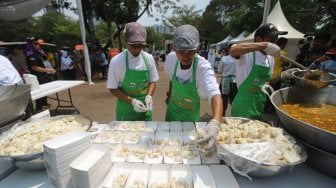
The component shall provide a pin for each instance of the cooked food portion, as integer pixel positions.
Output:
(28, 138)
(259, 141)
(321, 115)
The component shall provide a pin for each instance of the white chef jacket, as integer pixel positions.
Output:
(206, 82)
(8, 74)
(117, 68)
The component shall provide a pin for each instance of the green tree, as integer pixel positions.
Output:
(16, 30)
(155, 40)
(57, 28)
(120, 12)
(183, 15)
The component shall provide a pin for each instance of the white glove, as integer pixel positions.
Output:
(149, 102)
(272, 49)
(138, 106)
(288, 74)
(212, 130)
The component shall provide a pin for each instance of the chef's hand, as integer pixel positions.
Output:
(212, 129)
(149, 102)
(272, 49)
(138, 106)
(288, 74)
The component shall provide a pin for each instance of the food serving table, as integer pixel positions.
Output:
(301, 176)
(54, 88)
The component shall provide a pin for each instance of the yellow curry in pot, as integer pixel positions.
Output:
(322, 115)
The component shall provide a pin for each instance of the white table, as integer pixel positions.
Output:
(55, 87)
(301, 176)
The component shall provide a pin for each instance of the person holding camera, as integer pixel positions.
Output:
(327, 62)
(312, 48)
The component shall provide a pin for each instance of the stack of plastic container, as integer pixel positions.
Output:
(59, 152)
(90, 168)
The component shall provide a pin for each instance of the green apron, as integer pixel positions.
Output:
(135, 85)
(184, 102)
(250, 100)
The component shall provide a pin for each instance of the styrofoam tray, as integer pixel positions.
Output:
(89, 169)
(187, 126)
(190, 137)
(146, 138)
(66, 142)
(91, 157)
(162, 138)
(112, 147)
(139, 175)
(223, 176)
(137, 154)
(117, 137)
(200, 125)
(181, 175)
(162, 126)
(117, 176)
(121, 153)
(209, 156)
(130, 126)
(151, 126)
(138, 126)
(172, 155)
(103, 137)
(175, 126)
(191, 155)
(159, 176)
(176, 138)
(131, 137)
(112, 125)
(154, 155)
(60, 158)
(202, 177)
(96, 129)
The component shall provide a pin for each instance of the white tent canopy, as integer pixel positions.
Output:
(240, 37)
(278, 18)
(19, 9)
(223, 42)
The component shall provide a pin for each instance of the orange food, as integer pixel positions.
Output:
(322, 116)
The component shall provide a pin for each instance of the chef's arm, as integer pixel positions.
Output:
(151, 88)
(246, 47)
(121, 95)
(217, 107)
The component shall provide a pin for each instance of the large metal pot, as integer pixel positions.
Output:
(309, 134)
(322, 161)
(13, 102)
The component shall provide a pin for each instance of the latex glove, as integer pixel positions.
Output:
(272, 49)
(138, 106)
(288, 74)
(212, 129)
(149, 102)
